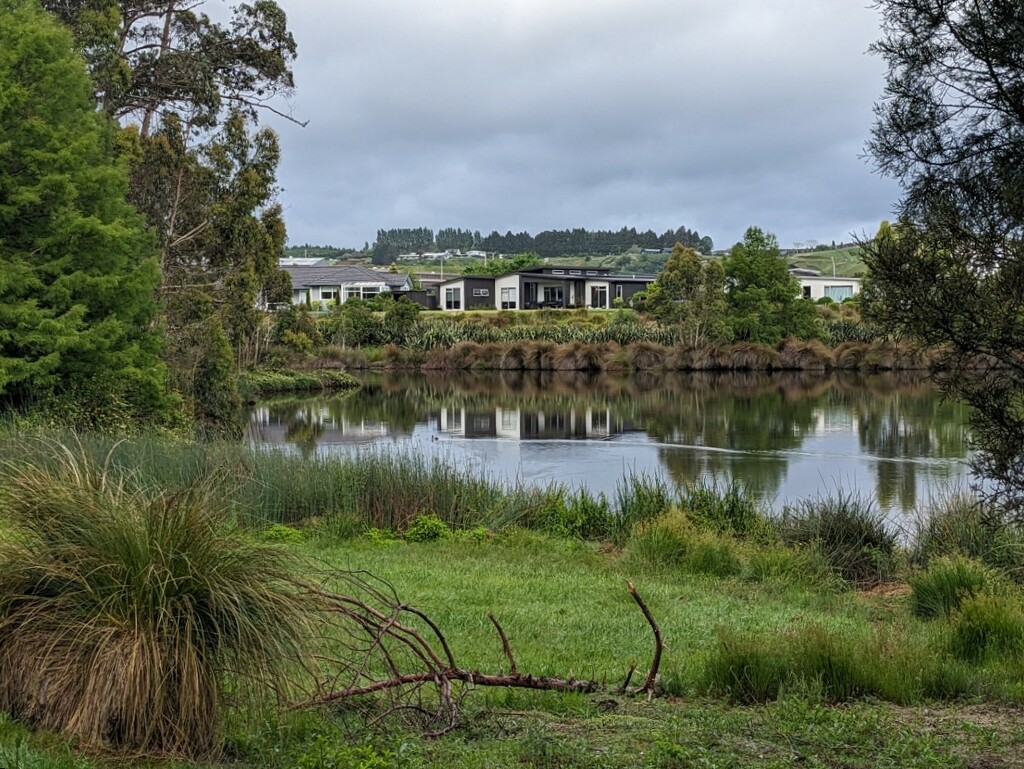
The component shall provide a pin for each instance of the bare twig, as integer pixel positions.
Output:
(505, 645)
(652, 674)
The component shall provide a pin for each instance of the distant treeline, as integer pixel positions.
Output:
(548, 243)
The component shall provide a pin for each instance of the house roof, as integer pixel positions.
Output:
(337, 276)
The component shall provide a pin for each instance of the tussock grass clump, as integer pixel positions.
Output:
(988, 624)
(639, 497)
(745, 669)
(960, 524)
(788, 566)
(945, 584)
(805, 355)
(672, 540)
(849, 532)
(729, 509)
(127, 615)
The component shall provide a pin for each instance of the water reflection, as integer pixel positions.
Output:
(785, 435)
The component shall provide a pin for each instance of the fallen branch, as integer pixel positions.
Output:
(384, 659)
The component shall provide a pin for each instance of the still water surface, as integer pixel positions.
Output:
(786, 436)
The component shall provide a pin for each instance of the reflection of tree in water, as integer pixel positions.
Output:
(751, 418)
(908, 425)
(305, 432)
(736, 426)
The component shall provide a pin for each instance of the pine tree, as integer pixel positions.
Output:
(77, 264)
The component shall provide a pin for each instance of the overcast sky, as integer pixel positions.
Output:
(552, 114)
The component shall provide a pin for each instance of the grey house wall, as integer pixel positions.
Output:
(470, 302)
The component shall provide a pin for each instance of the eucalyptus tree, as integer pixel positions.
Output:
(190, 90)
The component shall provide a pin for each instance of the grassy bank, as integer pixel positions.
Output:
(788, 638)
(254, 384)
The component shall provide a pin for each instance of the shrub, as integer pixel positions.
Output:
(427, 528)
(986, 624)
(946, 583)
(849, 532)
(141, 609)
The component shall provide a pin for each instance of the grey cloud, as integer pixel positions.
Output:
(531, 114)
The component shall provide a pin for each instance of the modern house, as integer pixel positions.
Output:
(836, 289)
(541, 287)
(319, 287)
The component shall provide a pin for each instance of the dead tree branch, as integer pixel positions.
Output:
(383, 658)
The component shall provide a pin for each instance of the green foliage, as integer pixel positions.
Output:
(961, 524)
(353, 324)
(427, 528)
(279, 533)
(849, 532)
(988, 624)
(142, 607)
(639, 498)
(745, 669)
(763, 298)
(945, 584)
(949, 272)
(77, 266)
(690, 294)
(218, 407)
(728, 510)
(399, 318)
(672, 540)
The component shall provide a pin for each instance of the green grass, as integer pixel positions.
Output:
(565, 608)
(848, 261)
(746, 619)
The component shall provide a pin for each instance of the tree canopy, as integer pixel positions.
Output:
(764, 298)
(950, 272)
(690, 293)
(77, 264)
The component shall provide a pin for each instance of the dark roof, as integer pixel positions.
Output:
(336, 276)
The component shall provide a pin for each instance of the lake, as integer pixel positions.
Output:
(787, 436)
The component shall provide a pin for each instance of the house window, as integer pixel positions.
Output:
(807, 292)
(618, 291)
(838, 293)
(508, 298)
(481, 292)
(591, 272)
(553, 295)
(453, 298)
(328, 294)
(558, 272)
(575, 272)
(599, 296)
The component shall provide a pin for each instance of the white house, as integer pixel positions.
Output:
(836, 289)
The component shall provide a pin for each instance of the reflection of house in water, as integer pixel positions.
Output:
(276, 425)
(593, 423)
(834, 420)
